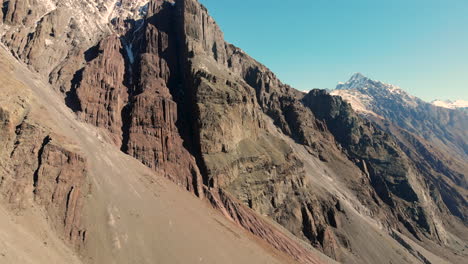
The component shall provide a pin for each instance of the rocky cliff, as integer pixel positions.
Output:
(39, 166)
(296, 170)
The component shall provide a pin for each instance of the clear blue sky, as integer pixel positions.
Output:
(419, 45)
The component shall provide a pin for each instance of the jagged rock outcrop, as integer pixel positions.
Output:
(40, 167)
(153, 135)
(61, 31)
(63, 199)
(125, 89)
(101, 95)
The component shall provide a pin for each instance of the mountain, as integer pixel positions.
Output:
(434, 137)
(446, 128)
(134, 133)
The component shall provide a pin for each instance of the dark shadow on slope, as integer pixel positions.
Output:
(71, 97)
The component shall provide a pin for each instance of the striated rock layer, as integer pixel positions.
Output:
(38, 166)
(101, 94)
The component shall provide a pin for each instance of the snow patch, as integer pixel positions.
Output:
(130, 55)
(360, 103)
(451, 104)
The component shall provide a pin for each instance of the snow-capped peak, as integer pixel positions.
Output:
(360, 82)
(363, 93)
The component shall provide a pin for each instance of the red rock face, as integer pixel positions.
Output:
(154, 140)
(152, 135)
(41, 171)
(129, 96)
(101, 93)
(60, 185)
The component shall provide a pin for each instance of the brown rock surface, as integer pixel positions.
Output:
(260, 227)
(152, 134)
(101, 94)
(37, 166)
(63, 198)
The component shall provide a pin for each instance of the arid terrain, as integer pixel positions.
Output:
(132, 132)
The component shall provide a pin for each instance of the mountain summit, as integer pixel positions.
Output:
(360, 82)
(445, 127)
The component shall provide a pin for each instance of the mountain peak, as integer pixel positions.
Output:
(358, 81)
(357, 77)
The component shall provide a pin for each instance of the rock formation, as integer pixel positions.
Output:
(40, 167)
(101, 94)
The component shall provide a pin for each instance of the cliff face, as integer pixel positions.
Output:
(101, 94)
(124, 88)
(38, 166)
(165, 88)
(391, 174)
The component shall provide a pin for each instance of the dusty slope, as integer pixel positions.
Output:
(132, 215)
(26, 237)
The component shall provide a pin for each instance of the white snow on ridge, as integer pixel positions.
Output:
(360, 103)
(131, 57)
(451, 104)
(359, 83)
